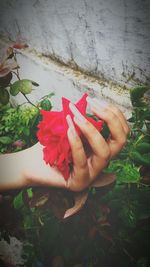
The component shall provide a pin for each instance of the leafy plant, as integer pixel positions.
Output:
(18, 124)
(136, 155)
(130, 198)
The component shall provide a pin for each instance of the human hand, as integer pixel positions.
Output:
(86, 170)
(27, 167)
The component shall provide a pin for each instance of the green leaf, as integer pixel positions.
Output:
(126, 172)
(35, 83)
(5, 80)
(24, 86)
(148, 126)
(5, 140)
(114, 166)
(29, 192)
(18, 201)
(26, 131)
(143, 139)
(4, 96)
(137, 94)
(146, 114)
(46, 104)
(129, 174)
(48, 96)
(105, 131)
(131, 119)
(14, 88)
(128, 215)
(28, 221)
(143, 147)
(146, 158)
(142, 159)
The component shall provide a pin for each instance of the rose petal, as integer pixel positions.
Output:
(53, 135)
(81, 104)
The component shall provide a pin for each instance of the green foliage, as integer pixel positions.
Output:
(46, 104)
(18, 201)
(24, 86)
(4, 96)
(17, 124)
(137, 151)
(137, 95)
(130, 197)
(126, 171)
(9, 69)
(29, 192)
(5, 140)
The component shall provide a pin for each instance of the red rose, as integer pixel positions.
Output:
(52, 134)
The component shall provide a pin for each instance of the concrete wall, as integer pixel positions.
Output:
(109, 38)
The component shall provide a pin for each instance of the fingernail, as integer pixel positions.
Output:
(76, 113)
(96, 103)
(71, 125)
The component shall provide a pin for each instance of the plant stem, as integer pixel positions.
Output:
(128, 254)
(17, 74)
(29, 101)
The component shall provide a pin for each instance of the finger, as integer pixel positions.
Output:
(117, 131)
(80, 173)
(78, 153)
(121, 117)
(93, 136)
(118, 136)
(98, 144)
(115, 110)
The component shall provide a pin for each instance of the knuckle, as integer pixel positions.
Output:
(88, 126)
(111, 115)
(116, 110)
(106, 155)
(78, 146)
(123, 140)
(83, 164)
(86, 123)
(90, 130)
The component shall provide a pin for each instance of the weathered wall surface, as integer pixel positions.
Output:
(65, 82)
(107, 38)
